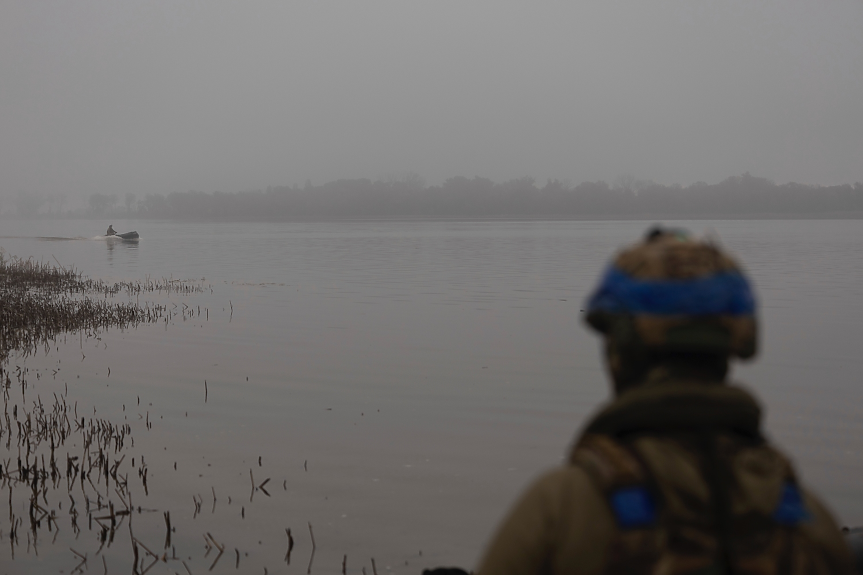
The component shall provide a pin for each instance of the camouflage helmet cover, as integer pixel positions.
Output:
(675, 293)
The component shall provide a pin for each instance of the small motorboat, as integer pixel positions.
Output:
(126, 236)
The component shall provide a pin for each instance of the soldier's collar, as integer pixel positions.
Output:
(662, 406)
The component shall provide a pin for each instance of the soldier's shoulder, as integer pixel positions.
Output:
(566, 483)
(566, 500)
(560, 524)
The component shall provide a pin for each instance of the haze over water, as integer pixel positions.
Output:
(403, 381)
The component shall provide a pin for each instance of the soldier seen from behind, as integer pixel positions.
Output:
(674, 475)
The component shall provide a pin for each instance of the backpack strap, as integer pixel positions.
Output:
(625, 484)
(621, 477)
(608, 462)
(791, 510)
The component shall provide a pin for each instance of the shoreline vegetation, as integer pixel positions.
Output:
(55, 455)
(737, 197)
(38, 302)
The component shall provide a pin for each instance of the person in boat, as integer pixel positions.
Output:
(111, 231)
(674, 474)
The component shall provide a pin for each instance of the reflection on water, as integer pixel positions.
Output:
(402, 381)
(129, 249)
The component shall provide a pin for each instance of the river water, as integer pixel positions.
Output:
(400, 382)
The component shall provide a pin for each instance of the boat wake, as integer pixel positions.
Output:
(46, 238)
(118, 237)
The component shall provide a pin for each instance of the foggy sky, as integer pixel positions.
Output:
(160, 96)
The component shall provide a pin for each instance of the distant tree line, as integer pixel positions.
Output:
(480, 197)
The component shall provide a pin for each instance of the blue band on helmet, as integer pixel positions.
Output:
(724, 293)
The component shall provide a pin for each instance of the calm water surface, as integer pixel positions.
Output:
(402, 381)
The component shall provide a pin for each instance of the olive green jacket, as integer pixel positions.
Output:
(563, 523)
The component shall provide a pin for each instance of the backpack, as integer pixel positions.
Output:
(701, 504)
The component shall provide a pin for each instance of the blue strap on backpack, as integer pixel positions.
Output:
(633, 507)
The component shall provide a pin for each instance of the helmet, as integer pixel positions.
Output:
(674, 293)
